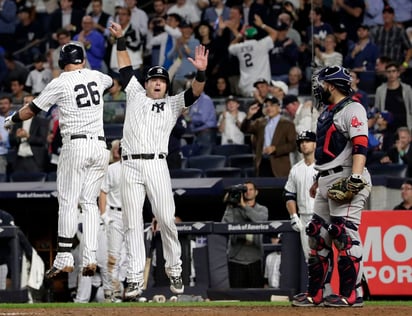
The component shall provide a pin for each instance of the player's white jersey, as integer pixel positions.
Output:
(111, 185)
(79, 98)
(300, 179)
(254, 61)
(148, 122)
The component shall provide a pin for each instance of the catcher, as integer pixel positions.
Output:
(341, 190)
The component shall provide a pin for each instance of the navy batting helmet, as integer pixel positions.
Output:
(71, 53)
(158, 72)
(305, 135)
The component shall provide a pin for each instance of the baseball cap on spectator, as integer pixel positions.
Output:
(24, 9)
(290, 98)
(388, 9)
(231, 98)
(260, 80)
(340, 28)
(387, 116)
(271, 98)
(281, 85)
(281, 26)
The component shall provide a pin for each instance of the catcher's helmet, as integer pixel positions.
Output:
(158, 72)
(305, 135)
(71, 53)
(338, 76)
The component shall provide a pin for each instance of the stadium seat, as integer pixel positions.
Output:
(51, 176)
(226, 172)
(241, 161)
(206, 162)
(3, 177)
(112, 132)
(231, 149)
(190, 150)
(22, 176)
(388, 169)
(186, 173)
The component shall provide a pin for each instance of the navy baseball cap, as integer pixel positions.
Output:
(388, 9)
(271, 98)
(260, 80)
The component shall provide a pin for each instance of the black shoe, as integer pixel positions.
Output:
(341, 301)
(304, 300)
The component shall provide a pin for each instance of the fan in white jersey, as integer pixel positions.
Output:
(78, 93)
(150, 117)
(253, 55)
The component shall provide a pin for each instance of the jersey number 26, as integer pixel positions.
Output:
(87, 93)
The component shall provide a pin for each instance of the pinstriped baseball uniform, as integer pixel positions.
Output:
(115, 231)
(300, 179)
(83, 160)
(148, 124)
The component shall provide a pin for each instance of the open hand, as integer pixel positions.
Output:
(201, 58)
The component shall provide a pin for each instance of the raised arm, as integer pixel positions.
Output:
(123, 59)
(200, 63)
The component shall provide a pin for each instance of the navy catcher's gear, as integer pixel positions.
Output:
(337, 231)
(71, 53)
(305, 135)
(158, 72)
(313, 230)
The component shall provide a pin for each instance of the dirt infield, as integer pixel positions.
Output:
(208, 311)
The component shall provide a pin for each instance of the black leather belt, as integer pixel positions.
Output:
(143, 156)
(102, 138)
(116, 208)
(330, 171)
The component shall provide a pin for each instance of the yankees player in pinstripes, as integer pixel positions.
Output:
(341, 147)
(150, 117)
(296, 191)
(78, 93)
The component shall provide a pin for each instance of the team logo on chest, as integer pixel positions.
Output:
(158, 106)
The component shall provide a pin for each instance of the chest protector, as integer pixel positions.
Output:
(329, 142)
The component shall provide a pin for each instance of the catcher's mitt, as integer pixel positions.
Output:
(345, 189)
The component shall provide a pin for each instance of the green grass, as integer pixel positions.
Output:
(183, 304)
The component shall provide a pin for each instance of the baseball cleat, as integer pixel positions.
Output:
(334, 300)
(133, 291)
(51, 273)
(89, 270)
(176, 284)
(304, 300)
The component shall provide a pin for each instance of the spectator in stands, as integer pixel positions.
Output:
(174, 156)
(396, 97)
(65, 17)
(284, 54)
(138, 19)
(28, 37)
(17, 91)
(350, 13)
(5, 106)
(115, 93)
(385, 131)
(373, 13)
(391, 39)
(230, 121)
(304, 115)
(38, 77)
(257, 54)
(15, 70)
(186, 10)
(330, 56)
(342, 42)
(362, 57)
(220, 88)
(202, 118)
(94, 43)
(134, 45)
(4, 146)
(245, 251)
(167, 32)
(101, 19)
(358, 94)
(287, 19)
(297, 85)
(380, 71)
(317, 30)
(403, 12)
(406, 195)
(217, 9)
(260, 93)
(159, 11)
(274, 139)
(29, 139)
(184, 48)
(401, 152)
(278, 89)
(8, 10)
(374, 152)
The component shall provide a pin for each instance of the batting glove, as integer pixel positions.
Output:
(296, 223)
(105, 219)
(8, 122)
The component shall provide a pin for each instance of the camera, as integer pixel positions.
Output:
(235, 194)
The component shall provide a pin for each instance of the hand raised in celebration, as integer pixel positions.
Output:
(116, 30)
(201, 58)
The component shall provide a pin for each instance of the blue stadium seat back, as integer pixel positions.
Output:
(206, 161)
(113, 131)
(190, 150)
(389, 169)
(184, 162)
(186, 173)
(22, 176)
(249, 172)
(232, 149)
(226, 172)
(241, 161)
(51, 176)
(3, 177)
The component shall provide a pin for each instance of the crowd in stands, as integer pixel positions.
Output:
(292, 38)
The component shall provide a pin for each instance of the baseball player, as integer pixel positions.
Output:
(150, 117)
(341, 192)
(296, 192)
(110, 205)
(78, 93)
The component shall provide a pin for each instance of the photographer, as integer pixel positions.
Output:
(245, 251)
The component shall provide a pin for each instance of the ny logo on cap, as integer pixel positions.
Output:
(160, 71)
(159, 106)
